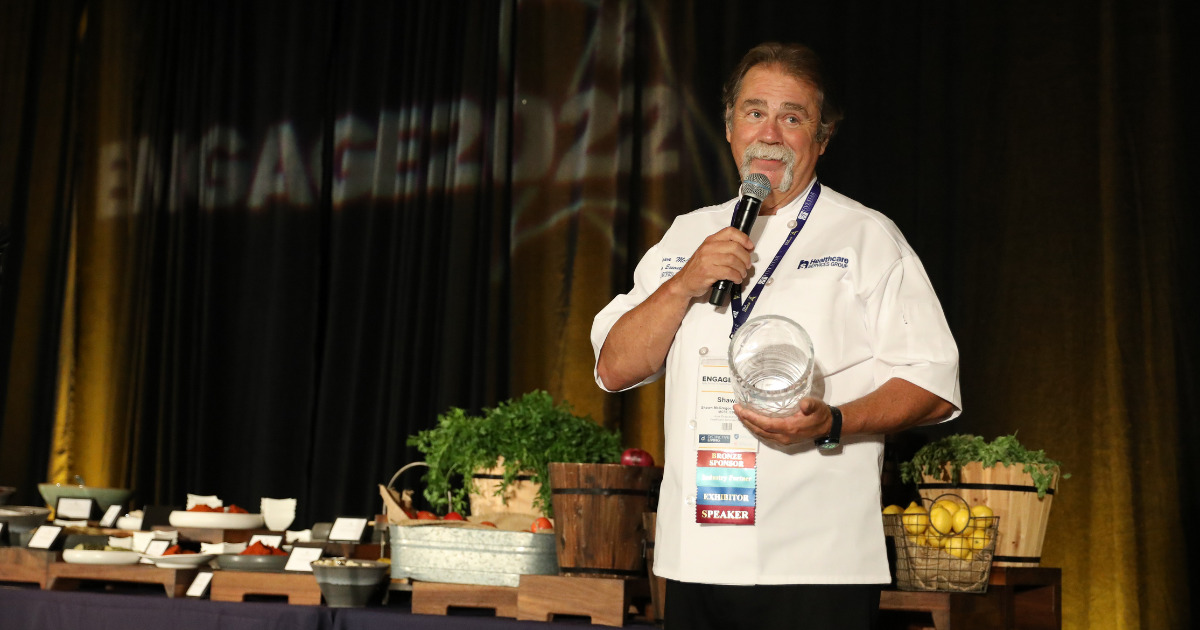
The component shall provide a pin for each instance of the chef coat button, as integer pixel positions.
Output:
(770, 280)
(791, 224)
(703, 350)
(691, 424)
(691, 500)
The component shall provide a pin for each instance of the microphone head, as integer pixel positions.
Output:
(756, 185)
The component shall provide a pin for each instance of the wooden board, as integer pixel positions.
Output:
(605, 600)
(234, 586)
(436, 598)
(65, 576)
(1021, 597)
(26, 566)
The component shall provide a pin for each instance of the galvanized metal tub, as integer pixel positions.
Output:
(470, 556)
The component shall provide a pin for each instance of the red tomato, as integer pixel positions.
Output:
(540, 524)
(636, 457)
(488, 523)
(427, 516)
(454, 516)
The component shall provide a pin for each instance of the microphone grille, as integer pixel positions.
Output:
(756, 185)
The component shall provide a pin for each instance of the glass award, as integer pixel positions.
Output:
(771, 365)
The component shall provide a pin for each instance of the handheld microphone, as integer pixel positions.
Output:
(755, 188)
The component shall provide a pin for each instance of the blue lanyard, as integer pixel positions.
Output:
(742, 313)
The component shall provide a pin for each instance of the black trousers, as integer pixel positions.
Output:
(692, 606)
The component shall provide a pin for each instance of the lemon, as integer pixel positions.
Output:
(980, 539)
(947, 504)
(893, 509)
(961, 519)
(982, 515)
(940, 519)
(915, 519)
(959, 547)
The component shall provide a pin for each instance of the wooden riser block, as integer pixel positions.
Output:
(605, 600)
(65, 576)
(25, 566)
(436, 598)
(234, 586)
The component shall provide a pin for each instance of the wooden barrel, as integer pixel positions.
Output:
(598, 517)
(1010, 492)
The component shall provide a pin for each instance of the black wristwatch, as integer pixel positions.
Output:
(833, 439)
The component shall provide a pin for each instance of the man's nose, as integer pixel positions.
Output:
(769, 132)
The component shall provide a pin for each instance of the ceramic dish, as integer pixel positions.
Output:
(105, 497)
(215, 520)
(22, 518)
(180, 560)
(236, 562)
(95, 556)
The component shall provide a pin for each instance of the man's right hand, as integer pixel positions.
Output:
(723, 256)
(638, 343)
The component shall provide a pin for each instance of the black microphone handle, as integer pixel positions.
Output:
(743, 219)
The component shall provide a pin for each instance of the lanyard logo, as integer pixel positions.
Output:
(741, 312)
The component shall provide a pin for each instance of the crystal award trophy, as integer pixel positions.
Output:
(771, 365)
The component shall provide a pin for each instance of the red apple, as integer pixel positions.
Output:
(636, 457)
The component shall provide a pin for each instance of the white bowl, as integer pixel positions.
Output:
(95, 556)
(215, 520)
(180, 560)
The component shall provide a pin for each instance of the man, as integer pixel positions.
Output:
(806, 547)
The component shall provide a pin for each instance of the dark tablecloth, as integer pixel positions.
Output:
(34, 609)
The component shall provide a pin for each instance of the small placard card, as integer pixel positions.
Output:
(74, 508)
(45, 537)
(301, 558)
(270, 540)
(110, 517)
(348, 530)
(199, 587)
(157, 547)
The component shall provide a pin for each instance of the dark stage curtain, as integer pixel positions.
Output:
(255, 245)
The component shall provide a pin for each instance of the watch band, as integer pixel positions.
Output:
(833, 439)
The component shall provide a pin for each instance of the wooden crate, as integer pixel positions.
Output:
(234, 586)
(606, 601)
(65, 576)
(437, 598)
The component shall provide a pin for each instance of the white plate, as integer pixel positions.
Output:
(215, 520)
(95, 556)
(180, 560)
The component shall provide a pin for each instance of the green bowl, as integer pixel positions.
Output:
(105, 497)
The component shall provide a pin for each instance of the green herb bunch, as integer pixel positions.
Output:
(528, 432)
(956, 451)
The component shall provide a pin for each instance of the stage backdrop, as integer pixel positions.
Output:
(256, 245)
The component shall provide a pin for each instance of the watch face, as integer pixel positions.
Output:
(830, 445)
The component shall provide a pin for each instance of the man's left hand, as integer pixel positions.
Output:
(811, 420)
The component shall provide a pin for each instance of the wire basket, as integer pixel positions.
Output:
(930, 560)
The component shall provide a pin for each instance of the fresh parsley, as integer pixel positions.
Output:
(528, 432)
(953, 452)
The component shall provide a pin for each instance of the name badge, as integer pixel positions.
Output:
(726, 453)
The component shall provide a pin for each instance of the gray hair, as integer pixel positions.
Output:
(800, 62)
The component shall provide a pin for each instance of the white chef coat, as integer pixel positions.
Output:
(858, 289)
